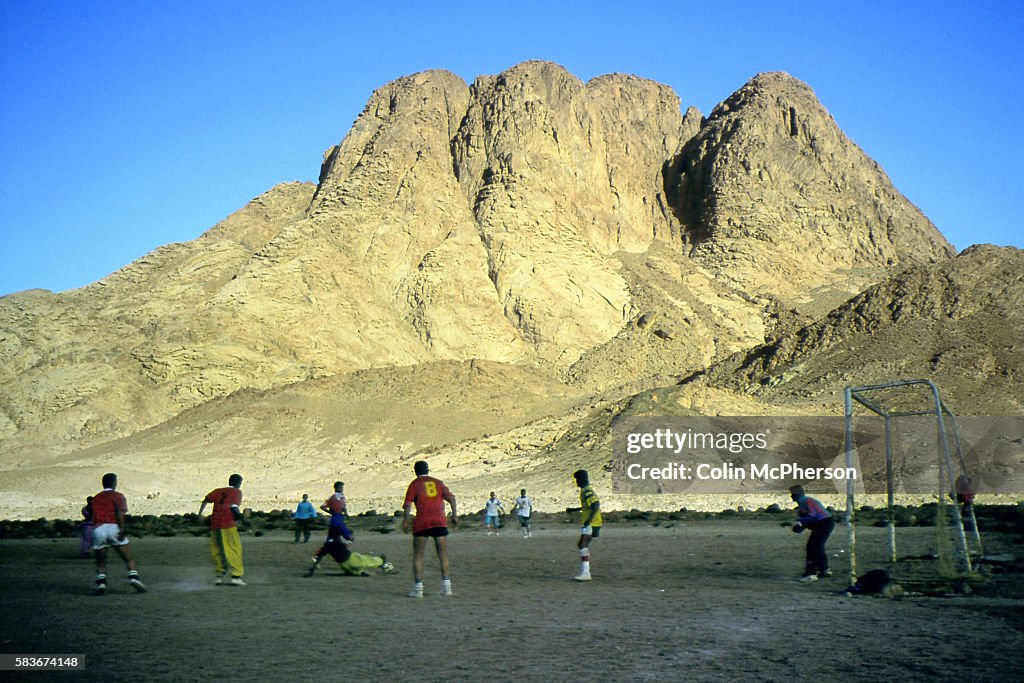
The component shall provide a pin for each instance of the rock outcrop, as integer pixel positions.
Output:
(960, 322)
(774, 197)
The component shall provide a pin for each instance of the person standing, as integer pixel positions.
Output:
(109, 508)
(429, 495)
(964, 492)
(811, 514)
(304, 515)
(590, 522)
(523, 508)
(225, 543)
(493, 509)
(85, 546)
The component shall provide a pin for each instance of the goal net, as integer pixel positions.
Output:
(914, 450)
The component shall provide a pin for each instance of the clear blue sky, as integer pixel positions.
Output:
(128, 125)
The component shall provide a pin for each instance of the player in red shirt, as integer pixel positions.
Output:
(339, 536)
(225, 543)
(429, 496)
(109, 508)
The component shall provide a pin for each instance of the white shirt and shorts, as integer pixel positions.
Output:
(106, 536)
(491, 518)
(525, 507)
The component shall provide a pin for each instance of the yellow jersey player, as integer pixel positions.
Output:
(590, 521)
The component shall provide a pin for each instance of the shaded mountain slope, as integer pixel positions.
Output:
(959, 323)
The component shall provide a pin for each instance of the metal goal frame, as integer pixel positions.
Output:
(947, 475)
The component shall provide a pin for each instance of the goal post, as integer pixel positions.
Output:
(948, 475)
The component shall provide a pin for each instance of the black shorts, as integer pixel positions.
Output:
(433, 532)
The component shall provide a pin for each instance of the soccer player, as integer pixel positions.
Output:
(109, 508)
(304, 515)
(225, 544)
(429, 496)
(339, 536)
(337, 507)
(963, 489)
(85, 547)
(351, 562)
(590, 521)
(523, 507)
(811, 514)
(492, 515)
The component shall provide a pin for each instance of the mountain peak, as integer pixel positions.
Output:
(765, 89)
(770, 178)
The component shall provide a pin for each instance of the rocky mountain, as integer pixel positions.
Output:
(776, 199)
(961, 320)
(592, 235)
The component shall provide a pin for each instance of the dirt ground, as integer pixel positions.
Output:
(711, 600)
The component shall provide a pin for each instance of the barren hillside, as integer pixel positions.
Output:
(960, 322)
(572, 244)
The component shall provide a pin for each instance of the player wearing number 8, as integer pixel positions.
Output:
(590, 521)
(429, 495)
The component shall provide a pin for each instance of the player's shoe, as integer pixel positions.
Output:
(583, 576)
(416, 592)
(825, 574)
(219, 581)
(810, 578)
(237, 581)
(314, 563)
(101, 585)
(133, 581)
(446, 589)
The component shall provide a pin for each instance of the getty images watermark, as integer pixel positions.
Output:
(768, 454)
(665, 439)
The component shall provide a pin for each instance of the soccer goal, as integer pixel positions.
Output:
(922, 453)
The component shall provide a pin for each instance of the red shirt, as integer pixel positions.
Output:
(428, 494)
(336, 504)
(223, 500)
(105, 506)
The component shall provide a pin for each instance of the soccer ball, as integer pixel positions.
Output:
(387, 568)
